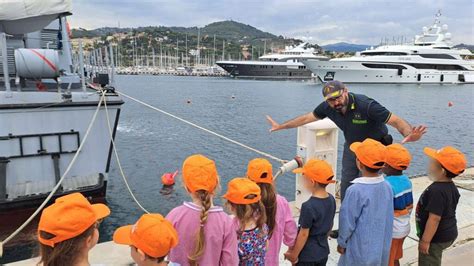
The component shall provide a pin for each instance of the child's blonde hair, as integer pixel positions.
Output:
(200, 179)
(205, 199)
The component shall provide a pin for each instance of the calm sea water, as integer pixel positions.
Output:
(150, 143)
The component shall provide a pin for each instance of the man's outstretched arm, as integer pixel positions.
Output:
(410, 133)
(295, 122)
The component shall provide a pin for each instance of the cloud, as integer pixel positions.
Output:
(361, 21)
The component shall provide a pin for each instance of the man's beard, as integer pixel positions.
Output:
(341, 107)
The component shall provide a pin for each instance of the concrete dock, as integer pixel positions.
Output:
(461, 253)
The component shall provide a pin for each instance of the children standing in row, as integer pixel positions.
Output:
(373, 220)
(436, 210)
(282, 226)
(243, 198)
(207, 234)
(67, 240)
(150, 239)
(397, 159)
(366, 214)
(316, 217)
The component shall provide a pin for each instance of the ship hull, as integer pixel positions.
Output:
(273, 70)
(39, 139)
(93, 193)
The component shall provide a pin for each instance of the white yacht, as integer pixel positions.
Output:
(431, 58)
(284, 65)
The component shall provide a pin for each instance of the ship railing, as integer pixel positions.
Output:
(4, 58)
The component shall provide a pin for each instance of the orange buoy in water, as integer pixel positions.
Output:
(450, 104)
(168, 178)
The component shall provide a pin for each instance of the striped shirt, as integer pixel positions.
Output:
(402, 203)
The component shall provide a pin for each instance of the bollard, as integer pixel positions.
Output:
(316, 140)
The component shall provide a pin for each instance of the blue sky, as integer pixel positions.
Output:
(329, 21)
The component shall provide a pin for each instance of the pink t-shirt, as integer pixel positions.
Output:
(220, 235)
(285, 231)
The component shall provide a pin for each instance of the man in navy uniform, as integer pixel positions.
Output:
(359, 117)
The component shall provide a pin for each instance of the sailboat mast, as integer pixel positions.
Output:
(214, 53)
(198, 51)
(186, 51)
(223, 49)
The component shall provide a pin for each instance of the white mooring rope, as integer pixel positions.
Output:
(102, 99)
(37, 211)
(118, 160)
(204, 129)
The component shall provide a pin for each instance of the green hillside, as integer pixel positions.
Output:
(237, 38)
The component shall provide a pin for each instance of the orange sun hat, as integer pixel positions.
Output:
(68, 217)
(317, 171)
(240, 188)
(200, 173)
(370, 153)
(152, 234)
(260, 170)
(397, 156)
(449, 157)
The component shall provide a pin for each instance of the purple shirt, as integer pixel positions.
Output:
(285, 231)
(220, 235)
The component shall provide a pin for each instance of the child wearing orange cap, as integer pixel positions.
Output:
(436, 209)
(397, 159)
(281, 225)
(243, 200)
(150, 239)
(68, 230)
(316, 216)
(206, 233)
(366, 214)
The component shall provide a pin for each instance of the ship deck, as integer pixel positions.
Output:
(108, 253)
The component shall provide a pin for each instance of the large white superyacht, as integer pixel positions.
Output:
(430, 58)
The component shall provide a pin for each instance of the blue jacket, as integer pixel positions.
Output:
(365, 222)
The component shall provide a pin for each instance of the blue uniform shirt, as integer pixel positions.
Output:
(364, 118)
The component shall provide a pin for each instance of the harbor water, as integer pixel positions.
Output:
(150, 143)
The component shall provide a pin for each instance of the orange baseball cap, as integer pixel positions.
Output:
(449, 157)
(200, 173)
(239, 188)
(397, 156)
(152, 234)
(259, 170)
(370, 152)
(317, 171)
(68, 217)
